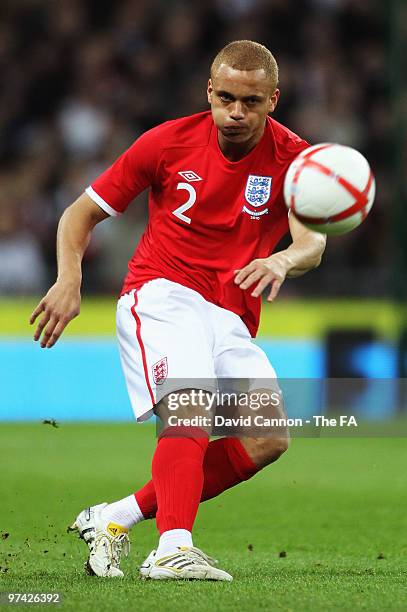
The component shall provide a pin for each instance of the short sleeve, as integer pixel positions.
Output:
(129, 175)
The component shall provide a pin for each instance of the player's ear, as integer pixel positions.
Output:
(273, 100)
(209, 91)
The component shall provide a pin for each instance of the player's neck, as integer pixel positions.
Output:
(235, 151)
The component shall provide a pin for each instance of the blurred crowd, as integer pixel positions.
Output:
(81, 79)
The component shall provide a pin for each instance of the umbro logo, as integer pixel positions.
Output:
(190, 176)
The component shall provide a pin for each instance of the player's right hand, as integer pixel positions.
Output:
(60, 305)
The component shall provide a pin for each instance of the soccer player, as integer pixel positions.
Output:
(190, 303)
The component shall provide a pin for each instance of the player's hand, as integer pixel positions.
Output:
(271, 270)
(59, 306)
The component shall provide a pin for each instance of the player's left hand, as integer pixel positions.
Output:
(271, 270)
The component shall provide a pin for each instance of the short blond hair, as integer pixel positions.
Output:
(247, 55)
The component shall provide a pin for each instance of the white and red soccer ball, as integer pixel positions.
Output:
(330, 188)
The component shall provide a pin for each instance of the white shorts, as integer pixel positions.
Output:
(168, 332)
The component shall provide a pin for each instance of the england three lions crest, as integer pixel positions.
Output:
(257, 194)
(160, 371)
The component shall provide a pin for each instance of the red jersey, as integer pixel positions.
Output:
(208, 216)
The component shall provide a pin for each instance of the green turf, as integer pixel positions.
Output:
(332, 505)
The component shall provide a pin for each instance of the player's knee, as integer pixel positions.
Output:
(264, 451)
(280, 447)
(184, 410)
(273, 449)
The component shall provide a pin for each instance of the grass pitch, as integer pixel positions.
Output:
(324, 528)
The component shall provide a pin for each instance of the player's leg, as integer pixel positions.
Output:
(178, 476)
(241, 364)
(152, 342)
(229, 461)
(226, 464)
(171, 327)
(265, 450)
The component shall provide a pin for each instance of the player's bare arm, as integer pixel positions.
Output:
(62, 302)
(303, 254)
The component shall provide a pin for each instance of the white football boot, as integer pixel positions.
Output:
(146, 566)
(106, 541)
(189, 563)
(84, 524)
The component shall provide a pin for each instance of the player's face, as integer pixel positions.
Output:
(240, 101)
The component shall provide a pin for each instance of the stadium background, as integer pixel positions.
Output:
(82, 79)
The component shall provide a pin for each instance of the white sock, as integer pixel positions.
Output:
(170, 540)
(125, 512)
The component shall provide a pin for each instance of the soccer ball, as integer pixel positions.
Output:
(330, 188)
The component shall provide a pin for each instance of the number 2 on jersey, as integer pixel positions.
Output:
(179, 212)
